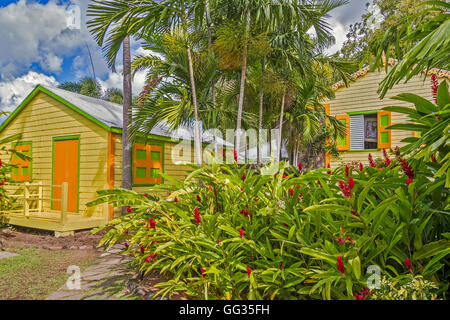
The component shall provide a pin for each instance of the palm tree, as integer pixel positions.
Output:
(109, 15)
(127, 100)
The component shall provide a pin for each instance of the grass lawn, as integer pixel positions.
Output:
(35, 273)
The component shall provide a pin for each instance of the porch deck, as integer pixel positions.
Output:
(32, 214)
(51, 221)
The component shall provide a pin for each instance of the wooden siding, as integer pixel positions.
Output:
(362, 96)
(44, 118)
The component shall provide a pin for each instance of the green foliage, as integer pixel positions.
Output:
(432, 122)
(295, 226)
(8, 203)
(414, 288)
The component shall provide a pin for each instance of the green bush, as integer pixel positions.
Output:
(229, 232)
(411, 288)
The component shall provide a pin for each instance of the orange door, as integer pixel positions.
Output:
(65, 169)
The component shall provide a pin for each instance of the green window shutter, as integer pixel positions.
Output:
(141, 154)
(155, 156)
(141, 172)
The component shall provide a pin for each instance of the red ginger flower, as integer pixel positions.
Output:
(152, 223)
(291, 191)
(408, 182)
(361, 166)
(175, 199)
(340, 265)
(203, 271)
(347, 188)
(365, 292)
(359, 296)
(126, 245)
(243, 176)
(408, 264)
(433, 158)
(300, 166)
(128, 209)
(249, 270)
(142, 250)
(386, 157)
(244, 212)
(371, 162)
(199, 199)
(241, 232)
(197, 217)
(347, 169)
(235, 155)
(406, 168)
(151, 257)
(434, 87)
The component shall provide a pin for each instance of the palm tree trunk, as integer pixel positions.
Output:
(197, 142)
(243, 77)
(208, 24)
(280, 138)
(261, 101)
(127, 100)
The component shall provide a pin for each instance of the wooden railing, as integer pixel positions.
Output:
(27, 196)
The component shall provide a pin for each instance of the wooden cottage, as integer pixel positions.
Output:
(359, 107)
(75, 145)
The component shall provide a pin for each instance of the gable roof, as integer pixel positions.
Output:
(106, 114)
(362, 72)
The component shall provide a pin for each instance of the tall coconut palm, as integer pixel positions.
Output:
(107, 31)
(127, 100)
(139, 17)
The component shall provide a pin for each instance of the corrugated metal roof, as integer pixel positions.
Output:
(110, 114)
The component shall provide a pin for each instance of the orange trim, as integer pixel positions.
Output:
(20, 163)
(345, 147)
(66, 170)
(110, 168)
(382, 129)
(147, 163)
(327, 140)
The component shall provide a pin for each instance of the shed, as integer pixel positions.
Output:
(359, 107)
(75, 143)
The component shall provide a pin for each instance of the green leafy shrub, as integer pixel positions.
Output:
(8, 203)
(414, 288)
(229, 232)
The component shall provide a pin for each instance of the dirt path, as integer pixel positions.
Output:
(106, 279)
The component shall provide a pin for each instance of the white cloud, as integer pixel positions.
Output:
(52, 63)
(13, 92)
(339, 32)
(35, 33)
(115, 80)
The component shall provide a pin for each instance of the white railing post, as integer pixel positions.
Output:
(41, 195)
(26, 195)
(64, 193)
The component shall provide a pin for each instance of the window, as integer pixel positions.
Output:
(22, 171)
(147, 163)
(365, 131)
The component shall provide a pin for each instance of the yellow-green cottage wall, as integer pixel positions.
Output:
(44, 118)
(362, 96)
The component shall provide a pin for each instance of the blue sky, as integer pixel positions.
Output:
(36, 46)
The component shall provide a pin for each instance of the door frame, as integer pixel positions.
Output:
(63, 138)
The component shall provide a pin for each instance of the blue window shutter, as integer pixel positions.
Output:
(357, 132)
